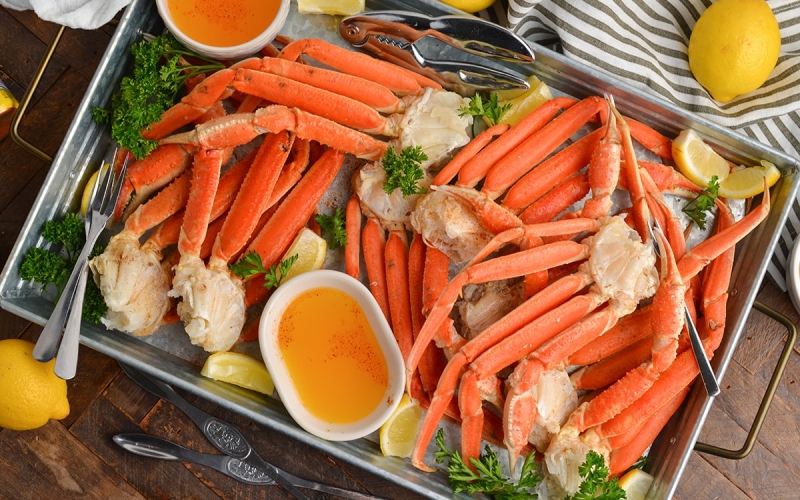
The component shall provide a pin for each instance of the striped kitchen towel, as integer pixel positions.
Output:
(644, 42)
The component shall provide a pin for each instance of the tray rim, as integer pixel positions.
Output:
(117, 345)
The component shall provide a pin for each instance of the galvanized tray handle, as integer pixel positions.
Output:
(26, 100)
(772, 387)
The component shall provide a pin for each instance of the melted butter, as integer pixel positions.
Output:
(223, 23)
(332, 355)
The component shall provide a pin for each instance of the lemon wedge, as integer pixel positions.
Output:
(749, 181)
(331, 7)
(636, 482)
(696, 160)
(239, 369)
(398, 434)
(523, 104)
(86, 198)
(310, 250)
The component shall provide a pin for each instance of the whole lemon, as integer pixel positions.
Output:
(470, 6)
(30, 393)
(734, 47)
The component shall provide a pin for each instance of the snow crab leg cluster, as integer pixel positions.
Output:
(538, 285)
(578, 294)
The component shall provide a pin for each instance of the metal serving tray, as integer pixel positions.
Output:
(169, 356)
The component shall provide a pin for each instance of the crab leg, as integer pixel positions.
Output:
(623, 456)
(603, 172)
(353, 227)
(195, 104)
(476, 168)
(550, 172)
(365, 91)
(235, 130)
(251, 201)
(649, 138)
(374, 243)
(398, 290)
(538, 146)
(344, 110)
(398, 80)
(273, 240)
(148, 175)
(167, 232)
(702, 254)
(467, 153)
(558, 199)
(130, 277)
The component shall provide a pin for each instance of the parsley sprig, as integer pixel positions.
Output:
(159, 71)
(54, 264)
(703, 203)
(489, 477)
(251, 265)
(404, 171)
(334, 226)
(491, 109)
(596, 484)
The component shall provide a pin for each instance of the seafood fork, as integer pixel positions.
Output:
(706, 372)
(102, 205)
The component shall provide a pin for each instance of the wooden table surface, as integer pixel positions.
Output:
(75, 457)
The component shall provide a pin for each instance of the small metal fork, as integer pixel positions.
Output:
(102, 206)
(706, 372)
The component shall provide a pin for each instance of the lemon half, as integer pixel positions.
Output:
(636, 482)
(310, 249)
(398, 434)
(239, 369)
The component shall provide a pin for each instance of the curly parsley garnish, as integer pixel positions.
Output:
(491, 109)
(698, 207)
(333, 226)
(159, 71)
(489, 477)
(46, 266)
(596, 483)
(251, 265)
(404, 171)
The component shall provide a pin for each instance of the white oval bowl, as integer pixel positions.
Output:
(793, 274)
(268, 342)
(234, 51)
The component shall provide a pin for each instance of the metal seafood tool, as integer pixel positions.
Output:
(459, 52)
(156, 447)
(225, 437)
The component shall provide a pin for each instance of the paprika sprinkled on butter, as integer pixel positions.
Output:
(332, 355)
(223, 23)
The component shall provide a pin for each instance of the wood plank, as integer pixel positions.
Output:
(702, 480)
(28, 50)
(152, 478)
(49, 462)
(45, 127)
(81, 49)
